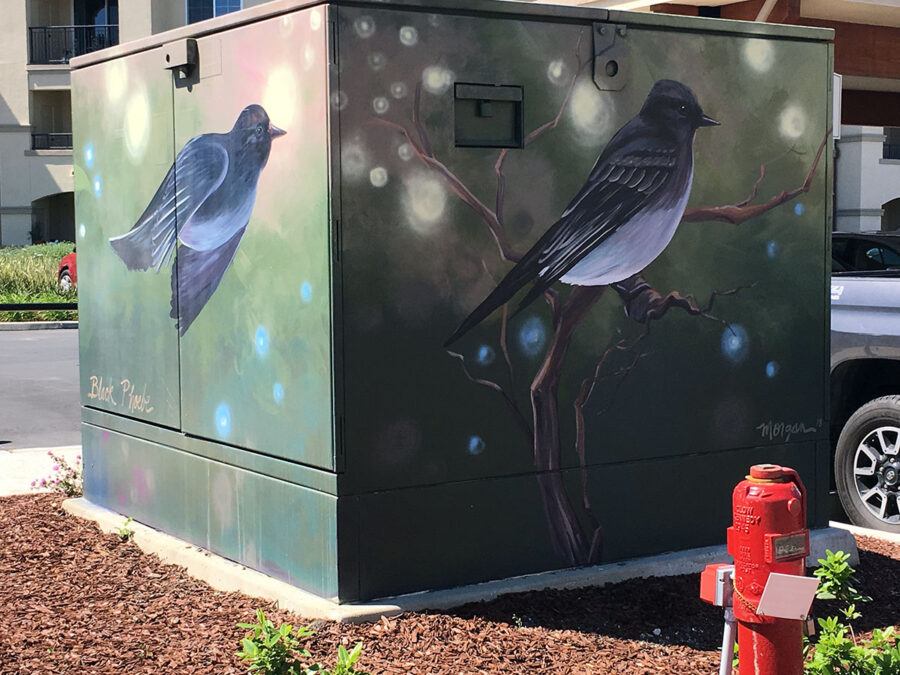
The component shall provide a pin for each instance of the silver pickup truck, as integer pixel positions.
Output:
(865, 396)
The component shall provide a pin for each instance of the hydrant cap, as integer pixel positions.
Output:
(766, 471)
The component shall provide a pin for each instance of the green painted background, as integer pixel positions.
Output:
(692, 391)
(256, 365)
(254, 369)
(122, 114)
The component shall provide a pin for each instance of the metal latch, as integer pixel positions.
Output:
(612, 65)
(182, 56)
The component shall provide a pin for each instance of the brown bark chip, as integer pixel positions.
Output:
(76, 601)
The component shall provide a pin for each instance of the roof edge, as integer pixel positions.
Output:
(492, 8)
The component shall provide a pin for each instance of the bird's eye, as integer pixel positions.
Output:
(682, 109)
(259, 130)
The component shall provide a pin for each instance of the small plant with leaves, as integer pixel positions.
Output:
(125, 532)
(277, 651)
(65, 478)
(271, 650)
(836, 579)
(346, 663)
(838, 650)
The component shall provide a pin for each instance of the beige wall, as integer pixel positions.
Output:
(13, 57)
(26, 176)
(865, 181)
(49, 12)
(140, 18)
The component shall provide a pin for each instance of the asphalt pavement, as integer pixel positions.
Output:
(39, 397)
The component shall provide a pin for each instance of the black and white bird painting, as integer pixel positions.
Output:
(625, 214)
(201, 208)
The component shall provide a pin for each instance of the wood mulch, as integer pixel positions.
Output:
(75, 600)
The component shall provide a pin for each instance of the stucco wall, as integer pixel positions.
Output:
(865, 181)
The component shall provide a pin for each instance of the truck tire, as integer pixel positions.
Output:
(867, 465)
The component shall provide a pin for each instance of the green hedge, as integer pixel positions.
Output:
(28, 274)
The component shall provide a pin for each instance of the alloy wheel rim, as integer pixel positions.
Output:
(876, 473)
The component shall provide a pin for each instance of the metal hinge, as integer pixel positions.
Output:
(612, 62)
(182, 56)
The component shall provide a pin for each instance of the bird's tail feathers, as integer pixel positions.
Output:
(533, 294)
(518, 276)
(135, 247)
(146, 245)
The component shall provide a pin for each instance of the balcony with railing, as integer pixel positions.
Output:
(51, 121)
(59, 44)
(51, 141)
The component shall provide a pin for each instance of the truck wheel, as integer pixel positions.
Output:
(867, 465)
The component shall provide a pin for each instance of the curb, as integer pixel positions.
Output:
(37, 325)
(226, 575)
(42, 450)
(891, 537)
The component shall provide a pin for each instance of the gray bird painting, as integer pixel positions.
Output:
(204, 202)
(625, 214)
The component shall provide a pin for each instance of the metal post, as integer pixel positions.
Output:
(725, 666)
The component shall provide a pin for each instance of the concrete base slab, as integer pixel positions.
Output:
(226, 575)
(892, 537)
(37, 325)
(19, 467)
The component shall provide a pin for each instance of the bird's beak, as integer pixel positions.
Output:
(707, 121)
(275, 132)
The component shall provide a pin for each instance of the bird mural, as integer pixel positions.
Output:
(204, 203)
(625, 214)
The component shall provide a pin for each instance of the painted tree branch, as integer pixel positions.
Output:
(568, 540)
(643, 303)
(508, 398)
(744, 210)
(422, 150)
(536, 133)
(587, 389)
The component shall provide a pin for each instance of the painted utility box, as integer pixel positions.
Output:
(391, 296)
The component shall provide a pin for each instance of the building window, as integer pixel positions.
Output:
(198, 10)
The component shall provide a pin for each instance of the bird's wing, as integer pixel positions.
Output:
(198, 170)
(198, 276)
(622, 183)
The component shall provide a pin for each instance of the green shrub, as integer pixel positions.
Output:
(275, 651)
(28, 274)
(837, 649)
(31, 269)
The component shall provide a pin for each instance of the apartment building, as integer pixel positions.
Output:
(37, 40)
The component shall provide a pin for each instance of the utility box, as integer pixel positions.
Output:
(285, 216)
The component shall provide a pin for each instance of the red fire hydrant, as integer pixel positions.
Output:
(768, 535)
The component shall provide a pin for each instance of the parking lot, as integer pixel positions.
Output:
(39, 406)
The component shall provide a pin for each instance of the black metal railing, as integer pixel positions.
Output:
(53, 141)
(891, 151)
(58, 44)
(38, 306)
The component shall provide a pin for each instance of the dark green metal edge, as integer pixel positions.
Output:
(291, 472)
